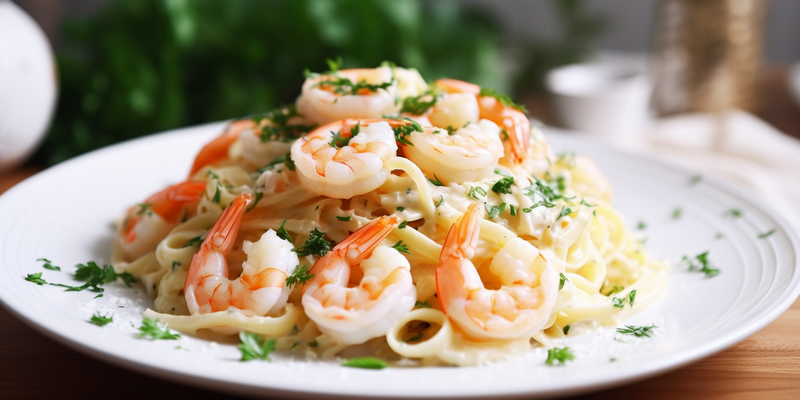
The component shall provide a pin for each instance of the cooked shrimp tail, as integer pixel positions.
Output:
(217, 149)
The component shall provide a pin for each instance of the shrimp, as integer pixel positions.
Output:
(353, 315)
(260, 289)
(346, 158)
(148, 223)
(349, 93)
(519, 309)
(217, 149)
(467, 155)
(514, 122)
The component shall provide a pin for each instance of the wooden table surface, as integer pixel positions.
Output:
(766, 364)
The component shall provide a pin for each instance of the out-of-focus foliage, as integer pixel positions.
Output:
(143, 66)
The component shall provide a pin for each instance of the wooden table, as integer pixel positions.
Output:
(766, 364)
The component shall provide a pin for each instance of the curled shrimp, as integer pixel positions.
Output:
(512, 121)
(260, 289)
(346, 158)
(353, 315)
(465, 156)
(217, 149)
(148, 223)
(349, 93)
(519, 309)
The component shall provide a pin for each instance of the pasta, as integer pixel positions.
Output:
(384, 215)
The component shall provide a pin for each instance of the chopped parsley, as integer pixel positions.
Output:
(564, 212)
(344, 218)
(145, 208)
(435, 181)
(95, 276)
(365, 362)
(101, 320)
(193, 241)
(401, 132)
(559, 355)
(441, 201)
(152, 330)
(719, 235)
(175, 264)
(503, 185)
(495, 211)
(561, 280)
(638, 331)
(418, 105)
(642, 225)
(694, 179)
(279, 128)
(315, 244)
(399, 246)
(566, 330)
(544, 194)
(254, 348)
(217, 196)
(36, 278)
(259, 195)
(700, 263)
(503, 99)
(632, 297)
(766, 234)
(299, 277)
(734, 212)
(338, 141)
(474, 192)
(677, 213)
(402, 225)
(422, 304)
(618, 302)
(615, 289)
(512, 209)
(283, 234)
(400, 209)
(284, 159)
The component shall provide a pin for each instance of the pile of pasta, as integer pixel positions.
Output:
(559, 206)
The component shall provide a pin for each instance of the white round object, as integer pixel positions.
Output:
(27, 85)
(699, 316)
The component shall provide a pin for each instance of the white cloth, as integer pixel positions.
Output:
(748, 151)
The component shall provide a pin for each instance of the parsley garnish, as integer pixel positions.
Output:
(618, 302)
(144, 207)
(339, 141)
(284, 159)
(512, 209)
(719, 235)
(401, 132)
(414, 338)
(48, 265)
(344, 218)
(95, 276)
(695, 178)
(365, 362)
(638, 331)
(642, 226)
(399, 246)
(400, 209)
(766, 234)
(259, 195)
(734, 212)
(561, 280)
(559, 355)
(217, 196)
(435, 181)
(566, 330)
(701, 265)
(402, 225)
(101, 320)
(564, 212)
(677, 213)
(441, 201)
(495, 211)
(418, 106)
(422, 304)
(283, 234)
(36, 278)
(152, 330)
(503, 99)
(315, 244)
(503, 185)
(475, 191)
(615, 289)
(175, 264)
(632, 297)
(253, 348)
(194, 241)
(300, 276)
(279, 129)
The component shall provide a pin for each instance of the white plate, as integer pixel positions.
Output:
(65, 214)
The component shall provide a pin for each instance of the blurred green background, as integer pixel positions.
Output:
(142, 66)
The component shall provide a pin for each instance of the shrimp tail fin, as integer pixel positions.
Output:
(463, 235)
(360, 244)
(221, 237)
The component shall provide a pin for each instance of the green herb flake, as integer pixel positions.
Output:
(700, 263)
(152, 330)
(402, 225)
(283, 234)
(299, 277)
(719, 235)
(441, 201)
(253, 347)
(365, 362)
(315, 244)
(638, 331)
(559, 355)
(197, 240)
(217, 196)
(677, 213)
(642, 225)
(101, 320)
(399, 246)
(694, 179)
(400, 209)
(566, 330)
(414, 338)
(338, 141)
(564, 212)
(618, 302)
(632, 297)
(766, 234)
(495, 211)
(345, 218)
(503, 185)
(422, 304)
(476, 191)
(561, 280)
(503, 99)
(48, 265)
(145, 208)
(252, 205)
(512, 209)
(175, 264)
(435, 181)
(734, 212)
(420, 104)
(36, 278)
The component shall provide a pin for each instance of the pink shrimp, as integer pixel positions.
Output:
(260, 289)
(519, 309)
(148, 223)
(513, 121)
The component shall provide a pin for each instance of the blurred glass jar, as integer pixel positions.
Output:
(708, 55)
(28, 85)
